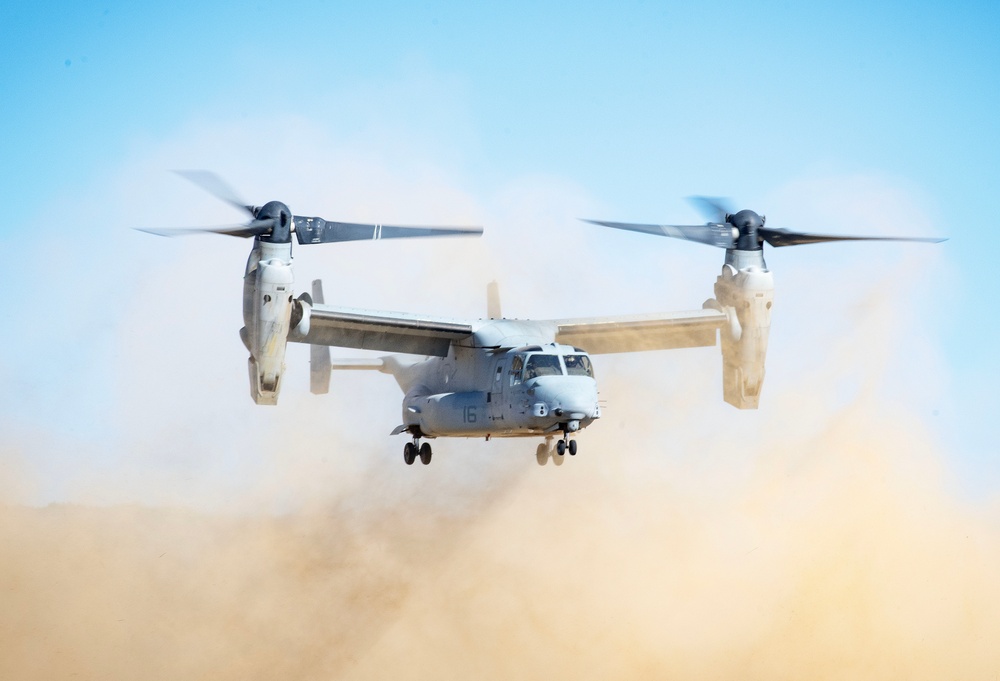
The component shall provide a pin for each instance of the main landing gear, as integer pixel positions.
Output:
(545, 451)
(411, 450)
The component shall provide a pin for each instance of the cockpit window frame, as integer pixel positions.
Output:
(516, 366)
(585, 362)
(557, 364)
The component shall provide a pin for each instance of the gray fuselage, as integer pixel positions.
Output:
(481, 390)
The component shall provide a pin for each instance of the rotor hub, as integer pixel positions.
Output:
(281, 217)
(747, 222)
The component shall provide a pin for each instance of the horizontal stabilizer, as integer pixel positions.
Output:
(357, 365)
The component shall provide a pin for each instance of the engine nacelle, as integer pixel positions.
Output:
(267, 311)
(749, 292)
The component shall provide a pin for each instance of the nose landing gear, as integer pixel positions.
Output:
(565, 443)
(546, 451)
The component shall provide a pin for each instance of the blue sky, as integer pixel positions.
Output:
(796, 111)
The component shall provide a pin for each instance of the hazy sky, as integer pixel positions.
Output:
(846, 118)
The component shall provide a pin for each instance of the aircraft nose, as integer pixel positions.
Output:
(574, 401)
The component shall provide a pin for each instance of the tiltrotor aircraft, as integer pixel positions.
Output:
(496, 377)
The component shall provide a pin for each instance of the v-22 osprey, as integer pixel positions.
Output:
(496, 377)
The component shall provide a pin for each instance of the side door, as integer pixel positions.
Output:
(497, 395)
(513, 391)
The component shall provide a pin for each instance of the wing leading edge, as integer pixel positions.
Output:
(423, 335)
(636, 333)
(383, 331)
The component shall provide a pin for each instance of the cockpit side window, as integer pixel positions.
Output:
(542, 365)
(516, 365)
(579, 365)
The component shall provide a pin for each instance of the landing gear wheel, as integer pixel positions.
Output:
(425, 453)
(542, 454)
(572, 447)
(409, 453)
(561, 447)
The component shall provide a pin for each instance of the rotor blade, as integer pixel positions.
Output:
(320, 231)
(217, 187)
(784, 237)
(254, 228)
(713, 235)
(714, 208)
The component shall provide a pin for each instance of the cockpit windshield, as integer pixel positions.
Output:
(578, 365)
(542, 365)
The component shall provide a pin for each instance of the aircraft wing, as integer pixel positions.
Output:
(386, 331)
(665, 331)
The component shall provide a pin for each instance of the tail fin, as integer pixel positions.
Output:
(319, 355)
(493, 301)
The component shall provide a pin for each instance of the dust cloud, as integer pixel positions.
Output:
(837, 554)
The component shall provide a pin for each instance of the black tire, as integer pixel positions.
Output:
(542, 454)
(409, 453)
(572, 447)
(561, 447)
(425, 453)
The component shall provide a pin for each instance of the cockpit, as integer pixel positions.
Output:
(578, 365)
(542, 365)
(534, 362)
